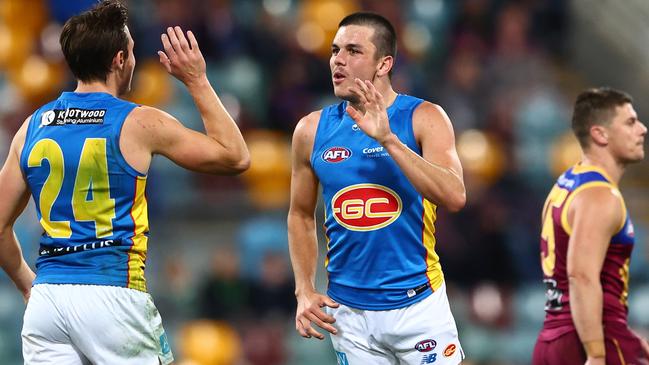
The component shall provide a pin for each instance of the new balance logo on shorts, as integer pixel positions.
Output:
(428, 359)
(342, 358)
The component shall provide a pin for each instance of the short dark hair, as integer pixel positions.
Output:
(385, 37)
(91, 39)
(595, 106)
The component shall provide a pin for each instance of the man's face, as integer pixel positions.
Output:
(353, 55)
(626, 135)
(126, 75)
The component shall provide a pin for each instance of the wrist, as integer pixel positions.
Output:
(390, 139)
(595, 348)
(197, 82)
(25, 278)
(301, 291)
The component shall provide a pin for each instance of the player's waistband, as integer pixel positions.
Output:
(378, 299)
(49, 251)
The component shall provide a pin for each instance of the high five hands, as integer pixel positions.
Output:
(371, 115)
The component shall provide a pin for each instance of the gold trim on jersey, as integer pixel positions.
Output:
(566, 207)
(434, 269)
(619, 351)
(137, 253)
(582, 168)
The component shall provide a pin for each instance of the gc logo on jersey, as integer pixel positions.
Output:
(450, 350)
(366, 207)
(336, 154)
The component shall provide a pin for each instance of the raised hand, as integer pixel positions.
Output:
(309, 311)
(372, 116)
(181, 56)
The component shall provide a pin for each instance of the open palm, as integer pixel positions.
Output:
(373, 120)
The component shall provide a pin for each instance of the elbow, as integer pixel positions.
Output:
(577, 278)
(241, 165)
(456, 202)
(232, 165)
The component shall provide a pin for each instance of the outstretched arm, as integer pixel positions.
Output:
(221, 150)
(15, 197)
(302, 240)
(595, 215)
(437, 174)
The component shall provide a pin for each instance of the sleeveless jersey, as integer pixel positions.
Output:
(89, 200)
(379, 229)
(554, 251)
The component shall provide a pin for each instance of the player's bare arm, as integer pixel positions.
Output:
(595, 215)
(222, 150)
(15, 197)
(302, 239)
(437, 175)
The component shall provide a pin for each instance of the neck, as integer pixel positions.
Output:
(109, 87)
(605, 161)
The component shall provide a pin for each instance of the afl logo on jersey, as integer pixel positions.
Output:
(366, 207)
(336, 154)
(426, 345)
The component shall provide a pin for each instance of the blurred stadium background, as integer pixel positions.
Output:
(506, 72)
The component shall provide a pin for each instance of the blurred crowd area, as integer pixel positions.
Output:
(218, 263)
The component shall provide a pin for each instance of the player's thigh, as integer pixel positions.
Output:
(115, 325)
(425, 332)
(565, 349)
(44, 335)
(353, 344)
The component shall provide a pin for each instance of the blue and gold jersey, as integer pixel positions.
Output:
(380, 230)
(90, 201)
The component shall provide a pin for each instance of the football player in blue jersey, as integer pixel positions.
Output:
(385, 162)
(84, 159)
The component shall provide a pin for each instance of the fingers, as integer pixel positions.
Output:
(166, 44)
(355, 115)
(164, 60)
(173, 39)
(376, 95)
(182, 40)
(303, 327)
(193, 42)
(323, 321)
(313, 314)
(329, 302)
(362, 91)
(367, 93)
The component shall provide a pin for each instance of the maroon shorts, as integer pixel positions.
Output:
(622, 348)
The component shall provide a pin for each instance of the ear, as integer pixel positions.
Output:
(119, 60)
(599, 134)
(385, 66)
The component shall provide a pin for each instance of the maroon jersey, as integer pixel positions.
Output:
(554, 251)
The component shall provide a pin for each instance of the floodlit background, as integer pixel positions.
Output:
(507, 73)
